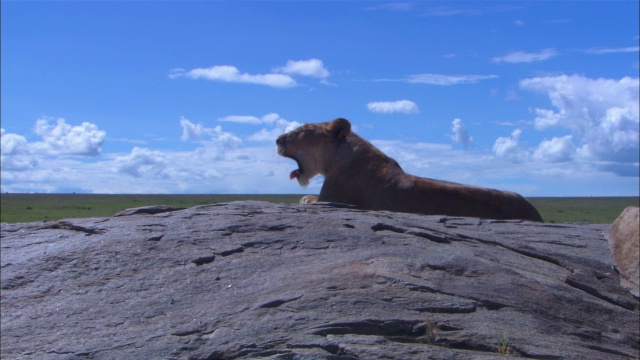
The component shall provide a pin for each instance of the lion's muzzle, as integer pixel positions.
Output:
(281, 148)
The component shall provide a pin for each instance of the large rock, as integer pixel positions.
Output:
(624, 240)
(257, 280)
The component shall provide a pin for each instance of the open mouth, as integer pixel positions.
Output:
(297, 172)
(294, 174)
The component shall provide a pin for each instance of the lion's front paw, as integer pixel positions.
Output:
(308, 199)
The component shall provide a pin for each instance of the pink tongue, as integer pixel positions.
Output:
(294, 174)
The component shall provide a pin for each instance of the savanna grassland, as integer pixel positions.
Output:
(51, 207)
(595, 210)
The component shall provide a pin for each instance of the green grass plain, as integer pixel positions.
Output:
(594, 210)
(39, 207)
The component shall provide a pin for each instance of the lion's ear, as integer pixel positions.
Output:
(339, 128)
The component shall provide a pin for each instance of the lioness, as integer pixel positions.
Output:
(357, 173)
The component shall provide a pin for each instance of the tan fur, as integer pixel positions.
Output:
(308, 199)
(357, 173)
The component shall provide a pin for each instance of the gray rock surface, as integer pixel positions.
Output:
(258, 280)
(624, 241)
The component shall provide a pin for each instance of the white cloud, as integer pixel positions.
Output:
(452, 11)
(444, 80)
(312, 67)
(525, 57)
(529, 178)
(227, 73)
(415, 158)
(64, 139)
(272, 118)
(142, 162)
(241, 119)
(191, 131)
(556, 150)
(276, 127)
(12, 144)
(509, 148)
(388, 107)
(459, 134)
(258, 169)
(59, 139)
(212, 137)
(219, 164)
(281, 77)
(601, 114)
(15, 153)
(214, 145)
(393, 6)
(600, 51)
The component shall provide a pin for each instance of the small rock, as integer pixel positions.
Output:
(624, 240)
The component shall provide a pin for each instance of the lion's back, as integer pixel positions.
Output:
(437, 197)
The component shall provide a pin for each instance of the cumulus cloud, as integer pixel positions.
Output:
(389, 107)
(64, 139)
(227, 73)
(57, 139)
(12, 144)
(312, 67)
(525, 57)
(601, 114)
(213, 145)
(556, 150)
(459, 134)
(258, 169)
(191, 131)
(255, 169)
(15, 153)
(445, 80)
(142, 162)
(510, 148)
(210, 136)
(276, 126)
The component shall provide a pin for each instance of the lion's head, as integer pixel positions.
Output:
(313, 147)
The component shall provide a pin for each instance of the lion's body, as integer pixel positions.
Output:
(359, 174)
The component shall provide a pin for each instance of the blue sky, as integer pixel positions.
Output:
(188, 97)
